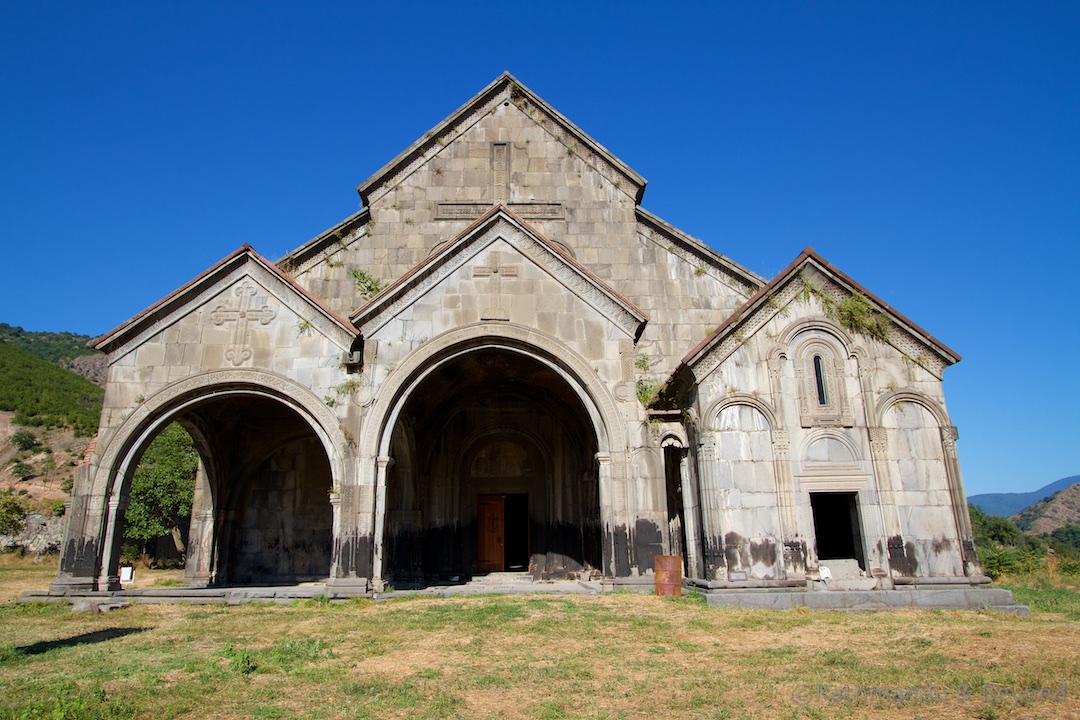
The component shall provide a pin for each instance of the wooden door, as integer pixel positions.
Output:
(490, 543)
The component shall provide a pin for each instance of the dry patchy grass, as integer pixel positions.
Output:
(610, 656)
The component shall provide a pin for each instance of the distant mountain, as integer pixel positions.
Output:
(42, 394)
(1008, 504)
(1044, 517)
(56, 347)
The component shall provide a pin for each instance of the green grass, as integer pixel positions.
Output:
(1044, 594)
(512, 656)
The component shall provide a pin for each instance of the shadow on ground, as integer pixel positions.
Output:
(84, 639)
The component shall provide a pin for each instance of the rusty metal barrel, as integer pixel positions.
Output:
(667, 570)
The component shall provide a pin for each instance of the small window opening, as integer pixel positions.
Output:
(819, 377)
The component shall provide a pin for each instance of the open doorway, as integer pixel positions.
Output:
(502, 541)
(836, 526)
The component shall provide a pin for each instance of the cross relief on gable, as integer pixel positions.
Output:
(495, 308)
(500, 194)
(240, 350)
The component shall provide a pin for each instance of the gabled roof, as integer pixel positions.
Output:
(316, 248)
(499, 222)
(743, 279)
(761, 301)
(164, 311)
(505, 88)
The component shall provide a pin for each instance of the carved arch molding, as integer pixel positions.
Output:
(164, 405)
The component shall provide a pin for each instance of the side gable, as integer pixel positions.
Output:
(331, 245)
(500, 225)
(808, 274)
(697, 253)
(233, 269)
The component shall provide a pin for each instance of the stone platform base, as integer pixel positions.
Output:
(508, 583)
(192, 596)
(952, 598)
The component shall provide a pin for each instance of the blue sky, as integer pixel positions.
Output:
(929, 150)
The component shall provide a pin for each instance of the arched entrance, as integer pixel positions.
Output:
(493, 467)
(262, 512)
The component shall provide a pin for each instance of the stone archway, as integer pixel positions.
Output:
(491, 427)
(263, 512)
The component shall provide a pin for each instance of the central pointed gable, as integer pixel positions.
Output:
(505, 89)
(500, 230)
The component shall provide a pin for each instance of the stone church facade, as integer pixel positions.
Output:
(504, 363)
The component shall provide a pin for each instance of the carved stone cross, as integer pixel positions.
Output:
(496, 272)
(240, 351)
(500, 195)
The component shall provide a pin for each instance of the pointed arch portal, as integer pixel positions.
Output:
(492, 468)
(261, 514)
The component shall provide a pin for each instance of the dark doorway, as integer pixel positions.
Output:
(502, 538)
(676, 513)
(517, 532)
(836, 525)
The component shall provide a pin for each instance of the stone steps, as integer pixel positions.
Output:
(954, 598)
(503, 578)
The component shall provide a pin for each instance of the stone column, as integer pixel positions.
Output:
(691, 516)
(111, 544)
(199, 549)
(79, 556)
(794, 546)
(200, 532)
(889, 513)
(381, 464)
(605, 485)
(335, 510)
(350, 566)
(972, 566)
(711, 508)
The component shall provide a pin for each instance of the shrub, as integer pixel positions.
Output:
(1069, 566)
(24, 440)
(22, 471)
(44, 395)
(12, 514)
(997, 562)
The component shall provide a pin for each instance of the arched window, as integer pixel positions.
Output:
(819, 379)
(822, 393)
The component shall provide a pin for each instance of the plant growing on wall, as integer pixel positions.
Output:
(855, 312)
(367, 285)
(857, 315)
(647, 391)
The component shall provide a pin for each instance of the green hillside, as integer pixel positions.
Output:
(43, 394)
(56, 347)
